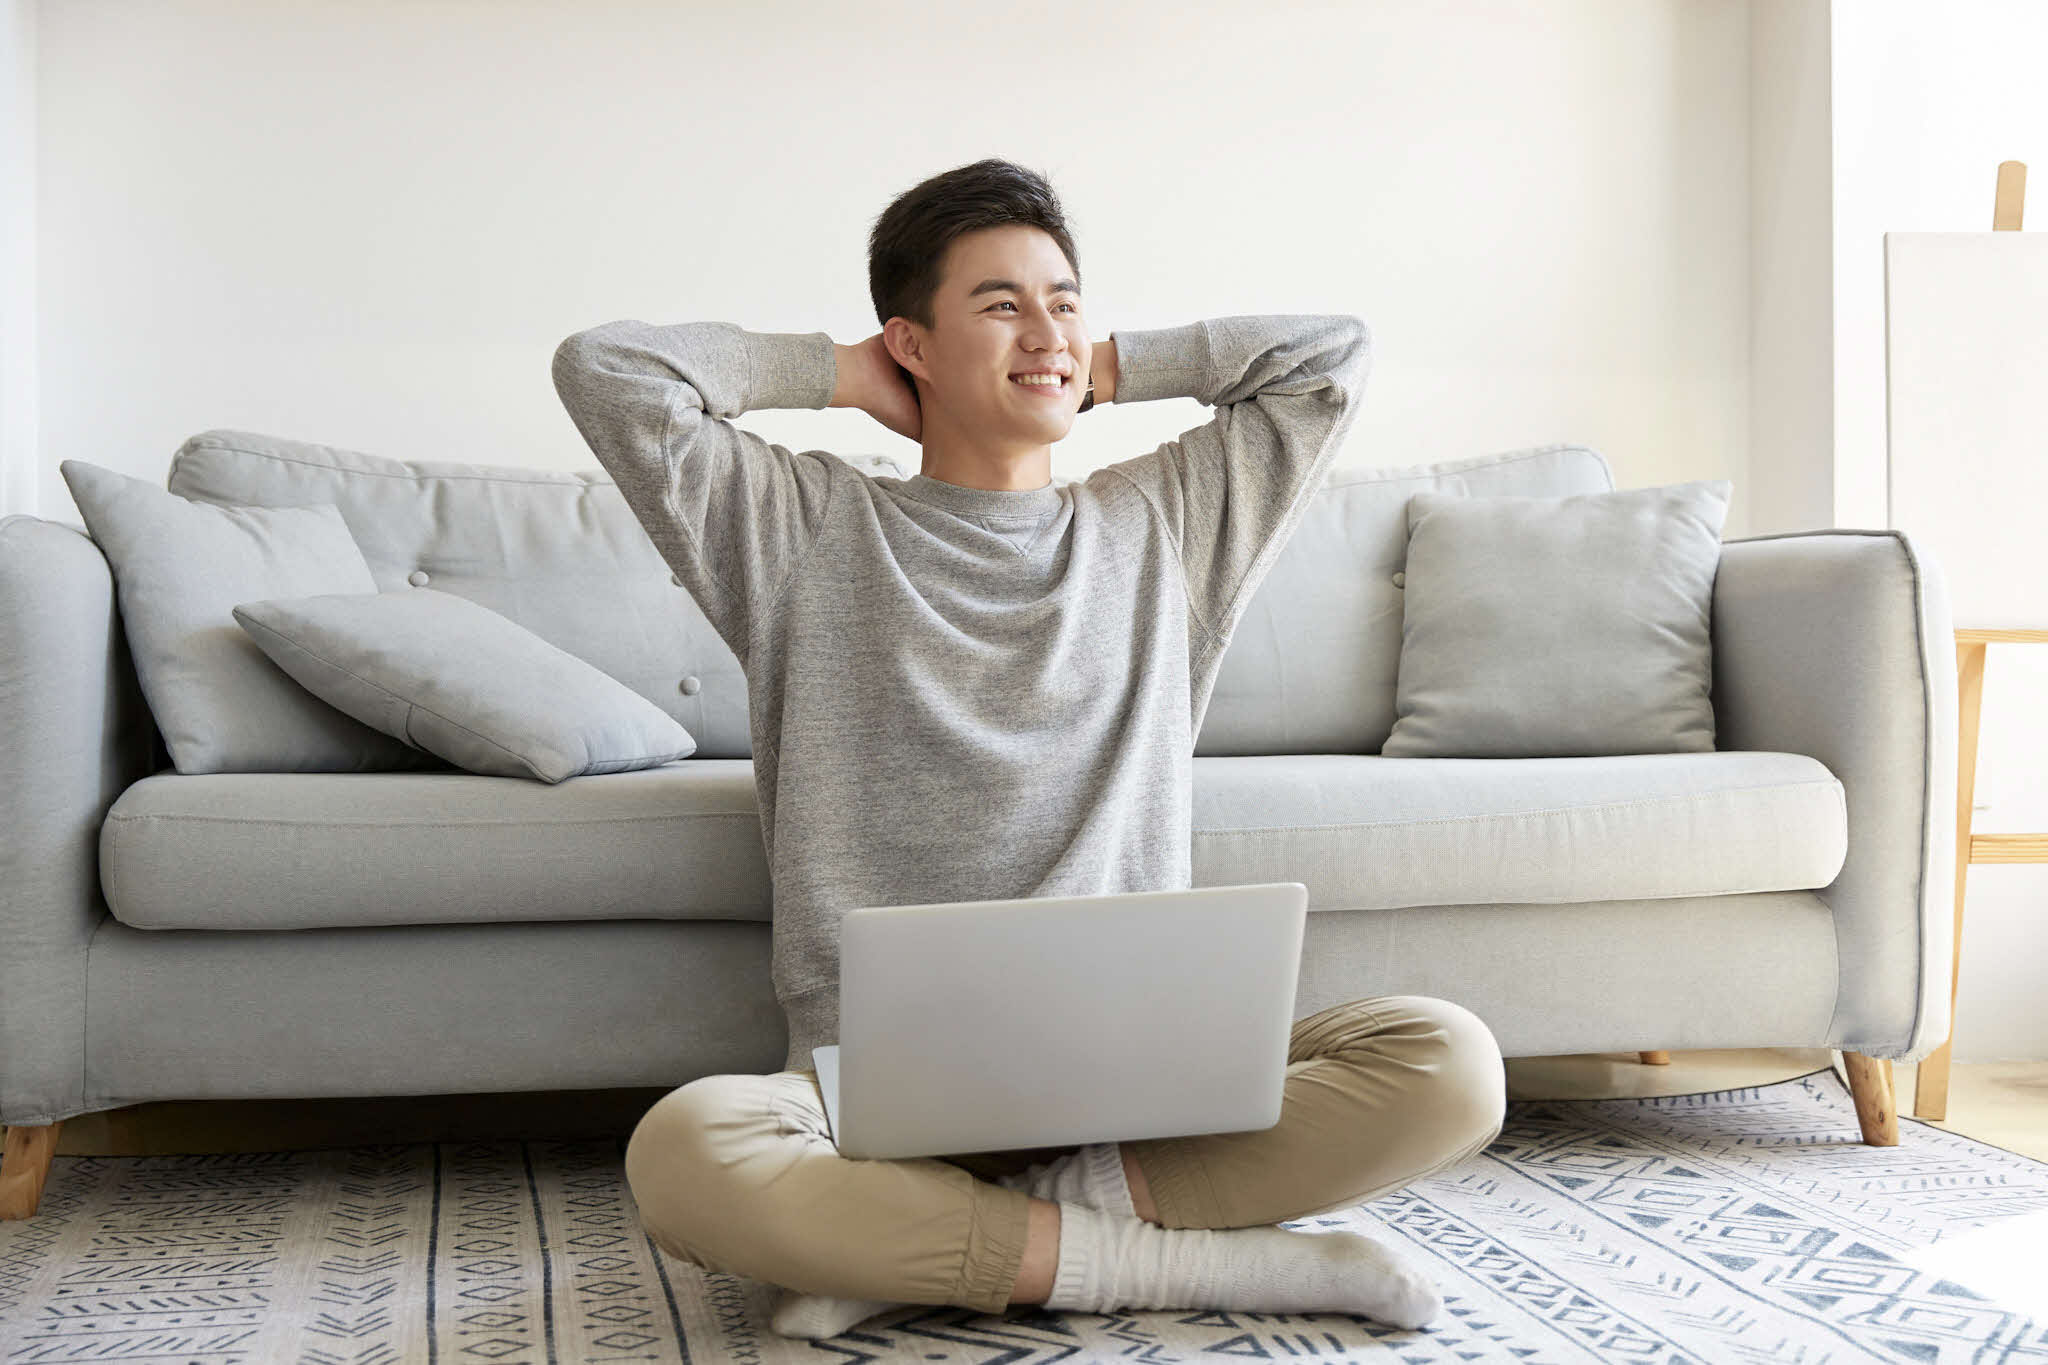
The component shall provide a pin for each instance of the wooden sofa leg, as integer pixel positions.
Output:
(1658, 1058)
(24, 1167)
(1870, 1081)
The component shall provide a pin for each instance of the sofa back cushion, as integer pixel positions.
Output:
(1310, 668)
(558, 552)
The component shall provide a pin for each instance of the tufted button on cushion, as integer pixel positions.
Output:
(1401, 580)
(418, 578)
(676, 579)
(691, 686)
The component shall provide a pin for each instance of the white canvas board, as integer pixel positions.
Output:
(1966, 360)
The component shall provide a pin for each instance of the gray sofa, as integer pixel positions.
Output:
(246, 935)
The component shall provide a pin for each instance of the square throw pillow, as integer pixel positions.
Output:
(1559, 627)
(179, 568)
(462, 681)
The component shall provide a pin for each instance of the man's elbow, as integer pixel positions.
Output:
(1358, 359)
(573, 357)
(605, 356)
(1355, 362)
(587, 368)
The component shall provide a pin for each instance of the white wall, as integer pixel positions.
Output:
(1791, 295)
(18, 379)
(1926, 104)
(369, 225)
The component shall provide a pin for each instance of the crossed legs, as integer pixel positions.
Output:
(739, 1172)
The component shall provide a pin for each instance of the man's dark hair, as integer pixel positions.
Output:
(908, 245)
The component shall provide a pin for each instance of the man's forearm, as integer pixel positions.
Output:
(846, 389)
(1102, 370)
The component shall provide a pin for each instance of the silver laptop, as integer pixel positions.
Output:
(1054, 1021)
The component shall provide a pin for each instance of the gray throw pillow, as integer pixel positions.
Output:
(1559, 627)
(464, 682)
(179, 568)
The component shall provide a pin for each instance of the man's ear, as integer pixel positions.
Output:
(906, 346)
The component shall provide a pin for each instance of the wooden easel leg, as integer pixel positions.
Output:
(25, 1168)
(1930, 1080)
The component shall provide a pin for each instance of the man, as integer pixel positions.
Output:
(977, 684)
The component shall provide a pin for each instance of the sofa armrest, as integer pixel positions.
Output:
(1840, 644)
(74, 732)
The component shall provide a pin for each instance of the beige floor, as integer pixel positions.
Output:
(2002, 1103)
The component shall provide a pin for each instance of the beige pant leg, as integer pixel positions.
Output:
(1380, 1092)
(738, 1173)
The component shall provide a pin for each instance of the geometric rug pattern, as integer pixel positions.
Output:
(1742, 1225)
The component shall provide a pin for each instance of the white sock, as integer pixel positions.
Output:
(818, 1316)
(1108, 1263)
(1092, 1175)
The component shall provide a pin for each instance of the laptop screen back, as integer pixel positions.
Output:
(1049, 1021)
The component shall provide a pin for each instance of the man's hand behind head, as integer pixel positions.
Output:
(871, 380)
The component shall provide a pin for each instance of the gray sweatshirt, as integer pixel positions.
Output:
(963, 693)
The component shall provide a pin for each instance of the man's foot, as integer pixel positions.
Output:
(819, 1316)
(1109, 1263)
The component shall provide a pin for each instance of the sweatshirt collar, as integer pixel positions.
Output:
(1010, 502)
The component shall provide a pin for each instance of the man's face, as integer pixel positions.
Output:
(1007, 304)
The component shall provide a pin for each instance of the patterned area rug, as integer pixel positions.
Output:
(1735, 1225)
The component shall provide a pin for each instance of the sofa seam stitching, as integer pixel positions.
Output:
(749, 815)
(582, 480)
(1547, 810)
(1369, 476)
(1926, 793)
(428, 824)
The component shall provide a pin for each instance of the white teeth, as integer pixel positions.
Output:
(1051, 379)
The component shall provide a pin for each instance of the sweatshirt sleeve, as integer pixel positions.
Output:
(1286, 389)
(732, 514)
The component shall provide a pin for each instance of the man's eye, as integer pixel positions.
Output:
(1007, 304)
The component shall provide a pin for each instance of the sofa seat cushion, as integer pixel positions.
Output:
(340, 850)
(683, 841)
(1367, 831)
